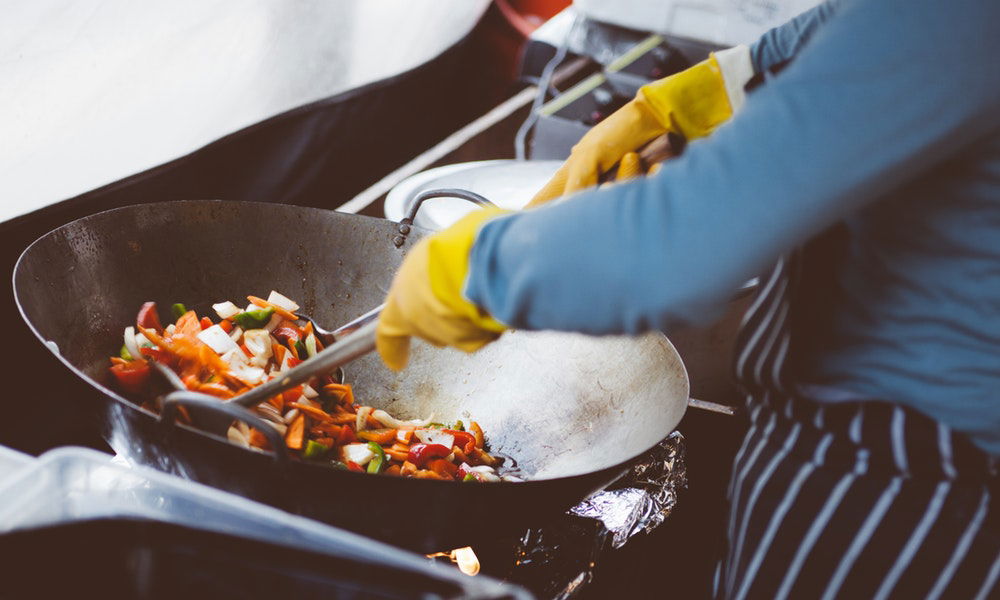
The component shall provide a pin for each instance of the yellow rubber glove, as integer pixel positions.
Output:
(426, 299)
(691, 103)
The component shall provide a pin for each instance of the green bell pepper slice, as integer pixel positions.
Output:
(376, 464)
(254, 319)
(314, 450)
(178, 309)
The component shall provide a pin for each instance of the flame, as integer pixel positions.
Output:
(465, 558)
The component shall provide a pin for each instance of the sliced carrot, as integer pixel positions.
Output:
(342, 418)
(216, 389)
(400, 455)
(459, 455)
(394, 470)
(226, 325)
(341, 391)
(428, 474)
(406, 433)
(326, 441)
(442, 467)
(154, 337)
(478, 431)
(372, 423)
(187, 324)
(296, 431)
(259, 440)
(279, 353)
(326, 429)
(118, 361)
(380, 436)
(312, 411)
(183, 412)
(277, 402)
(277, 309)
(408, 468)
(479, 457)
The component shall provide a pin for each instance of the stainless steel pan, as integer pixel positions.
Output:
(572, 410)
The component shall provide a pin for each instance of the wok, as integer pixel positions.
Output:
(572, 410)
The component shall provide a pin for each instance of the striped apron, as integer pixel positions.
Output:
(848, 500)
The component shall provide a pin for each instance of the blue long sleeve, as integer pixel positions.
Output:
(780, 45)
(888, 118)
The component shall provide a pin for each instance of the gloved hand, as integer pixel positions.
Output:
(426, 297)
(691, 103)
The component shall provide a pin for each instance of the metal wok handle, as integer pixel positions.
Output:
(359, 343)
(235, 412)
(405, 225)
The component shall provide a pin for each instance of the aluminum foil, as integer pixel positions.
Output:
(558, 560)
(642, 499)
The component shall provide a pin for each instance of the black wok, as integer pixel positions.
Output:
(572, 410)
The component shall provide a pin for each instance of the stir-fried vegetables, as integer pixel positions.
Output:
(320, 420)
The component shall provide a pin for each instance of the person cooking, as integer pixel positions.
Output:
(861, 181)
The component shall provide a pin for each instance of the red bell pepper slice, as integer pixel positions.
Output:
(206, 323)
(148, 317)
(346, 436)
(353, 466)
(463, 439)
(132, 375)
(286, 335)
(421, 453)
(291, 394)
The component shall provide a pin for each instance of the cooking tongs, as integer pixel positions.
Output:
(345, 344)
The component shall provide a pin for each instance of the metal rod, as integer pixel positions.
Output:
(357, 344)
(715, 407)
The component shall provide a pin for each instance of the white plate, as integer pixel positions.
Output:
(509, 184)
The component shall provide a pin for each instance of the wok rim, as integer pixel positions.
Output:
(620, 466)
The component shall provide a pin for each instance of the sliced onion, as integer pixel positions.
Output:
(143, 341)
(435, 436)
(276, 320)
(281, 427)
(510, 478)
(217, 339)
(235, 358)
(309, 392)
(290, 415)
(358, 453)
(250, 375)
(170, 329)
(236, 436)
(390, 421)
(361, 422)
(235, 334)
(258, 342)
(226, 309)
(130, 344)
(279, 300)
